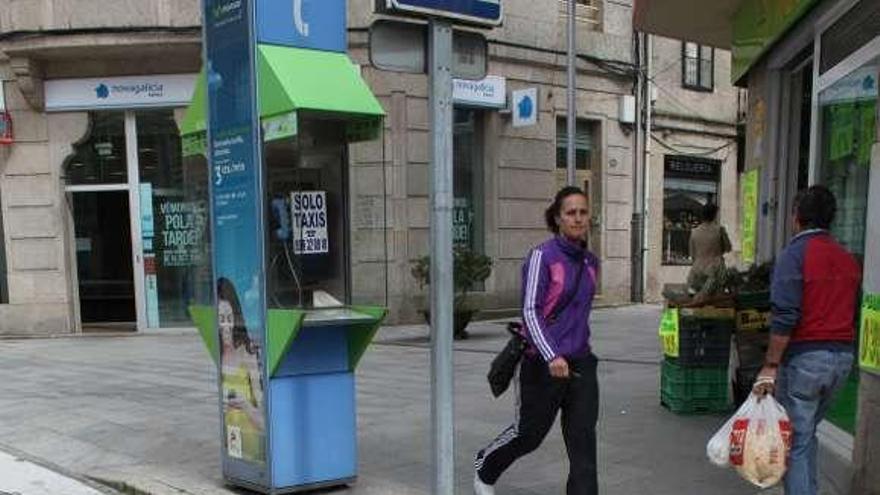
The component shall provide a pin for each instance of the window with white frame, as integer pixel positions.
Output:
(587, 12)
(697, 66)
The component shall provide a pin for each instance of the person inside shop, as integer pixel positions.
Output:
(709, 243)
(558, 369)
(241, 379)
(813, 299)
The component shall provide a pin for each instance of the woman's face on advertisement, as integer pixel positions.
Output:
(574, 217)
(226, 320)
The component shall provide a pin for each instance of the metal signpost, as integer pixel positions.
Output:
(571, 97)
(441, 14)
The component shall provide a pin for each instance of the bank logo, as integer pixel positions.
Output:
(526, 107)
(102, 91)
(868, 83)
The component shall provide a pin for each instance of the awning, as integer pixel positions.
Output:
(296, 79)
(710, 24)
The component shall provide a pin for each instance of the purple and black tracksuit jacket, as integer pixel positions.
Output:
(549, 273)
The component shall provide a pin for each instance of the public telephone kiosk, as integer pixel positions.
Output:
(286, 374)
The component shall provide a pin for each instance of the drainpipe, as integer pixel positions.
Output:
(636, 222)
(646, 163)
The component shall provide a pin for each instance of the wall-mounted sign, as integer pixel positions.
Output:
(749, 205)
(315, 24)
(524, 106)
(490, 92)
(309, 214)
(119, 92)
(869, 337)
(483, 12)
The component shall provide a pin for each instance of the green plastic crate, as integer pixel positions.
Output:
(695, 406)
(689, 383)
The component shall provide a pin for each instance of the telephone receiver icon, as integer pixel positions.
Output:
(301, 25)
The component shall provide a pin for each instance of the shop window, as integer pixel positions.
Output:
(583, 144)
(174, 222)
(467, 175)
(101, 159)
(588, 13)
(697, 66)
(689, 184)
(852, 31)
(848, 111)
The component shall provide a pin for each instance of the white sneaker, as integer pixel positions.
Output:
(481, 488)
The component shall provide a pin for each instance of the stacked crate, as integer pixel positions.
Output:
(697, 379)
(752, 338)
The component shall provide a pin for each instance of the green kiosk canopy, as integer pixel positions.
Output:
(293, 80)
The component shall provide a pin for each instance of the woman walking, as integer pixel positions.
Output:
(558, 370)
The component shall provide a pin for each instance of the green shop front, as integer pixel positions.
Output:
(812, 69)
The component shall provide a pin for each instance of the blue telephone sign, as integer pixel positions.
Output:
(314, 24)
(484, 12)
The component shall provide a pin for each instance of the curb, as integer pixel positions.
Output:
(835, 458)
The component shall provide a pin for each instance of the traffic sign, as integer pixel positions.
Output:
(482, 12)
(402, 47)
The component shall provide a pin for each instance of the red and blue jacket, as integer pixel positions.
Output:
(814, 291)
(549, 274)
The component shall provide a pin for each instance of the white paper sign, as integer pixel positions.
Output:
(309, 214)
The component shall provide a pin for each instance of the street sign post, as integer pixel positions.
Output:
(480, 12)
(441, 66)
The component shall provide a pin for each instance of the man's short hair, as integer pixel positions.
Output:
(815, 207)
(709, 212)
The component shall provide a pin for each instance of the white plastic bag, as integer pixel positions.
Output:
(755, 441)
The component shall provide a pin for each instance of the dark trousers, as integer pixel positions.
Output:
(541, 396)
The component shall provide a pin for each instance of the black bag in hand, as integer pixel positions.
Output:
(504, 365)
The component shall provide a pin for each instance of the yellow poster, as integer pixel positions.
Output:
(869, 341)
(669, 332)
(749, 228)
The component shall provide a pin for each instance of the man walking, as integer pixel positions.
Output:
(813, 298)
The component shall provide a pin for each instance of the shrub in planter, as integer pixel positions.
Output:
(469, 269)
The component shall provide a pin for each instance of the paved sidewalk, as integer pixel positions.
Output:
(141, 411)
(20, 476)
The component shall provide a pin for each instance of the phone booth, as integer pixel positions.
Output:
(277, 315)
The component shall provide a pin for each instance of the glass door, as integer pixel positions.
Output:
(97, 177)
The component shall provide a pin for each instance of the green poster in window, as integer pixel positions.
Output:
(669, 332)
(843, 130)
(867, 132)
(749, 214)
(869, 340)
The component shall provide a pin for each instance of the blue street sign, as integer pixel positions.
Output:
(315, 24)
(485, 12)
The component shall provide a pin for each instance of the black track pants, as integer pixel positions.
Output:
(541, 396)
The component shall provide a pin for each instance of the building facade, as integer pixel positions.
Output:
(97, 91)
(812, 69)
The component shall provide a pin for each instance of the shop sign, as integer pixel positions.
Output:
(869, 340)
(524, 106)
(687, 167)
(490, 92)
(309, 213)
(749, 214)
(314, 24)
(280, 127)
(669, 332)
(757, 25)
(119, 92)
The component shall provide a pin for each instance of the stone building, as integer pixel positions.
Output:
(97, 90)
